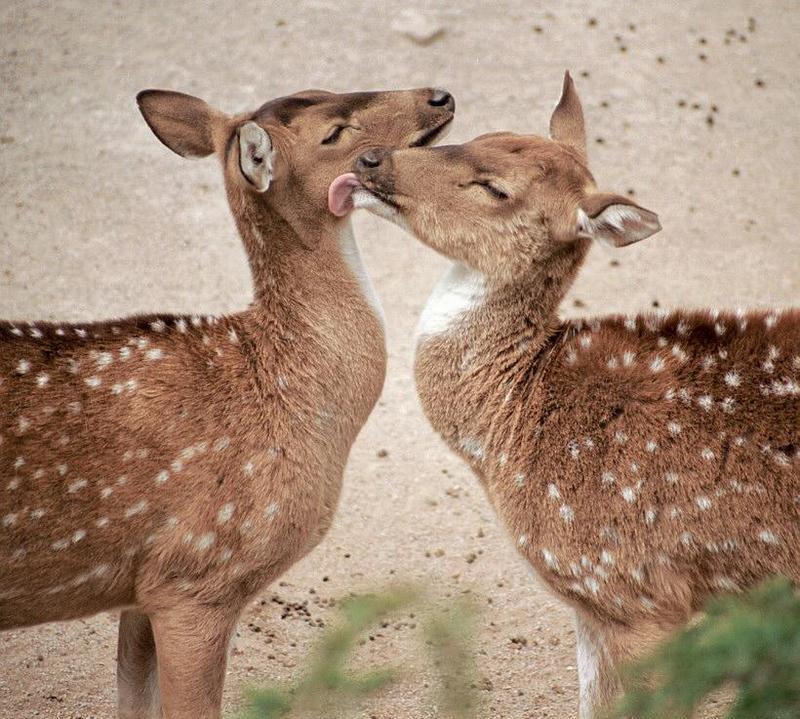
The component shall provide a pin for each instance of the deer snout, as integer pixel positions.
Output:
(442, 98)
(369, 160)
(375, 171)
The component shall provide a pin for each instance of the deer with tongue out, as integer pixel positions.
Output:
(173, 466)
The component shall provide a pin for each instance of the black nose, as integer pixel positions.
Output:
(368, 160)
(442, 98)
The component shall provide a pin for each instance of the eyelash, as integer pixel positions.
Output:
(495, 192)
(334, 135)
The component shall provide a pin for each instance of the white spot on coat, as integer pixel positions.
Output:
(732, 379)
(768, 537)
(629, 494)
(221, 443)
(703, 503)
(728, 404)
(550, 559)
(135, 509)
(472, 447)
(76, 486)
(225, 513)
(679, 353)
(205, 541)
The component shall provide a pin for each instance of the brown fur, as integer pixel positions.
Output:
(641, 464)
(176, 465)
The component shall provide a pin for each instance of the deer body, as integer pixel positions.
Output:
(638, 462)
(642, 464)
(239, 413)
(173, 466)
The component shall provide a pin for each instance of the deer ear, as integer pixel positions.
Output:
(614, 219)
(183, 123)
(256, 155)
(566, 122)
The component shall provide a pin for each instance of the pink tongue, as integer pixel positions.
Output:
(340, 200)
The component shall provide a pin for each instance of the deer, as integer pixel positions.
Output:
(173, 466)
(642, 464)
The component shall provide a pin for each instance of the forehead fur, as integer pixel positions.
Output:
(327, 104)
(511, 146)
(503, 152)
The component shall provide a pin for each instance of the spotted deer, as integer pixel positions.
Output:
(173, 466)
(642, 464)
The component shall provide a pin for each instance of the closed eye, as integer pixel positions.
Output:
(492, 189)
(333, 136)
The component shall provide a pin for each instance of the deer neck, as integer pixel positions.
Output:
(289, 269)
(477, 344)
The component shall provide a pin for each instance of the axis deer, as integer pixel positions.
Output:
(641, 463)
(174, 466)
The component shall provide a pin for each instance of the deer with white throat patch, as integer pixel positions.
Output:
(642, 464)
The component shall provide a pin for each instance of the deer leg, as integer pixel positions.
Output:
(600, 651)
(137, 673)
(192, 645)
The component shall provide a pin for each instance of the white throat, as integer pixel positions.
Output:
(352, 256)
(460, 290)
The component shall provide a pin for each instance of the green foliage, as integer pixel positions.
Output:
(749, 643)
(448, 637)
(329, 686)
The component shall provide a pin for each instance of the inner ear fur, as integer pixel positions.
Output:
(256, 155)
(615, 219)
(185, 124)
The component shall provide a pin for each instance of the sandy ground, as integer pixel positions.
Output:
(687, 107)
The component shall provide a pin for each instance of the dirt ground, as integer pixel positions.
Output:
(691, 106)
